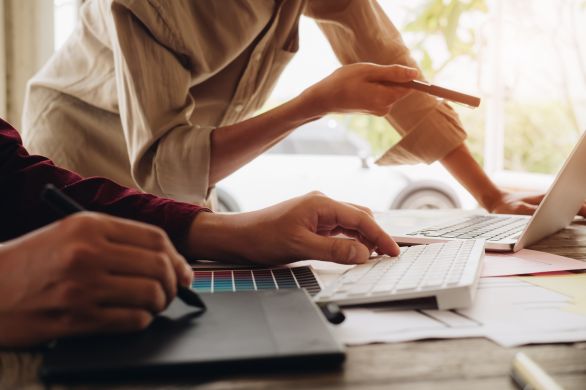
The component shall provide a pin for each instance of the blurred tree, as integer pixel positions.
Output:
(431, 20)
(540, 131)
(442, 19)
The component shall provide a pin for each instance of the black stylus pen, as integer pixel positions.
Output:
(332, 312)
(64, 205)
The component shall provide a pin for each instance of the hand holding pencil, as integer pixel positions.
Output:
(441, 92)
(370, 89)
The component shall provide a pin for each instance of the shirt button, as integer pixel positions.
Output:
(238, 108)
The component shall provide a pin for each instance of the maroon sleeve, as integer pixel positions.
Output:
(23, 176)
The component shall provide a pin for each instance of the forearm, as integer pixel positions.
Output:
(357, 88)
(466, 170)
(235, 145)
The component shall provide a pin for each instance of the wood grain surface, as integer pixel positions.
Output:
(440, 364)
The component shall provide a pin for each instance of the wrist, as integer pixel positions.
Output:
(491, 198)
(215, 236)
(311, 104)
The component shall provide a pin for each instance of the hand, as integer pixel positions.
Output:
(86, 273)
(511, 203)
(298, 229)
(463, 167)
(359, 88)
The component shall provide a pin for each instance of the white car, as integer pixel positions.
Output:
(324, 156)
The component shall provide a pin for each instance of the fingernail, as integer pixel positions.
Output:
(188, 275)
(411, 72)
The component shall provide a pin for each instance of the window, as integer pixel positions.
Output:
(541, 89)
(524, 58)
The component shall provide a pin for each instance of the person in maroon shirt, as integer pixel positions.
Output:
(94, 272)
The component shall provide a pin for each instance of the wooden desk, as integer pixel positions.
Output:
(443, 364)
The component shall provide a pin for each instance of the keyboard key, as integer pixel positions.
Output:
(422, 269)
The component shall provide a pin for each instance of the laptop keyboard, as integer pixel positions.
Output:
(488, 227)
(419, 269)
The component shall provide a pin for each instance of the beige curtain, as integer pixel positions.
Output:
(26, 42)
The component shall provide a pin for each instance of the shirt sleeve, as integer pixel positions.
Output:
(23, 176)
(169, 155)
(360, 31)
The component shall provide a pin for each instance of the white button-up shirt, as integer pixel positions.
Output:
(136, 90)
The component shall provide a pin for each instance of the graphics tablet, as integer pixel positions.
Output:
(256, 330)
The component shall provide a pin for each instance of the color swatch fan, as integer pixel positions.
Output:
(225, 280)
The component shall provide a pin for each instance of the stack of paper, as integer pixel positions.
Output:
(510, 311)
(514, 311)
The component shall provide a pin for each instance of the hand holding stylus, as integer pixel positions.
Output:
(358, 88)
(441, 92)
(364, 88)
(87, 273)
(67, 206)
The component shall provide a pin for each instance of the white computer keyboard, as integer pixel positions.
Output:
(447, 271)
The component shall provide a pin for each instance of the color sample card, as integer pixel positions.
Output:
(255, 279)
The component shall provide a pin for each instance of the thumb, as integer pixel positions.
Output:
(335, 249)
(393, 73)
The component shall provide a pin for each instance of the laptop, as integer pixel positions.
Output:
(505, 233)
(251, 331)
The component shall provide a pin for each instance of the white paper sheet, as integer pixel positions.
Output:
(509, 311)
(527, 261)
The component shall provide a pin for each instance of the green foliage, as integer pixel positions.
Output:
(377, 131)
(440, 19)
(539, 137)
